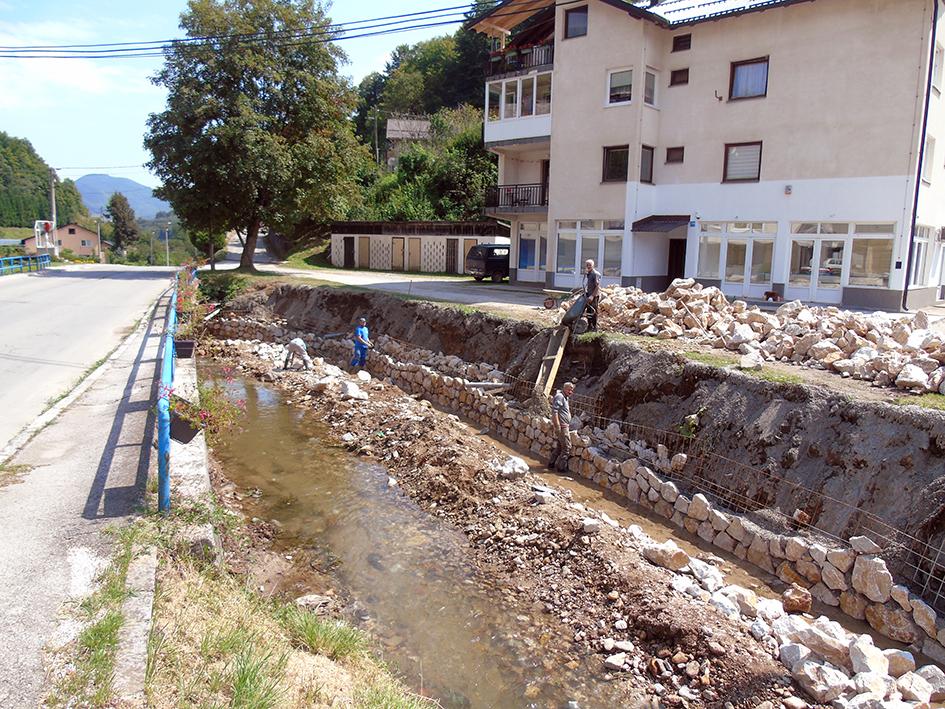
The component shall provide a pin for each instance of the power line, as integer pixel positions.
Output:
(142, 51)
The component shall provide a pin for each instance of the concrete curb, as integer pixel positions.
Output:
(190, 472)
(44, 419)
(131, 657)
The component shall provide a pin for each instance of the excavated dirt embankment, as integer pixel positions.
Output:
(885, 460)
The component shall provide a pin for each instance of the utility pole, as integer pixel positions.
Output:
(377, 146)
(98, 228)
(167, 245)
(150, 248)
(52, 208)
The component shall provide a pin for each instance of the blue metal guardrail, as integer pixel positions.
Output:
(21, 264)
(164, 405)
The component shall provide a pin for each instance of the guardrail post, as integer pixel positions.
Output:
(164, 406)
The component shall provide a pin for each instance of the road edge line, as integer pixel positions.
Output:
(19, 441)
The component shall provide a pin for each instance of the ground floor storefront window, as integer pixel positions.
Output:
(598, 240)
(739, 254)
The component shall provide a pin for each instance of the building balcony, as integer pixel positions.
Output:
(517, 199)
(515, 60)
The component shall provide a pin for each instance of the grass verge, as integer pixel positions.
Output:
(926, 401)
(711, 359)
(775, 376)
(91, 656)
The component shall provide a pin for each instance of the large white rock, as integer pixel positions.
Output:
(350, 390)
(668, 555)
(864, 545)
(914, 687)
(513, 467)
(793, 653)
(708, 575)
(911, 377)
(866, 657)
(699, 507)
(936, 678)
(822, 681)
(872, 578)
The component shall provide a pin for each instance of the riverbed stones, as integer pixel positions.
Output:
(872, 578)
(589, 525)
(616, 661)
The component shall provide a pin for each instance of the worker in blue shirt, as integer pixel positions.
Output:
(362, 343)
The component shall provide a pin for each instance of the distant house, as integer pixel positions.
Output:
(403, 131)
(76, 238)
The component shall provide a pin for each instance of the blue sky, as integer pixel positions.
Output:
(81, 113)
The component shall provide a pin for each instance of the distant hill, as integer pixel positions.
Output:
(24, 187)
(96, 190)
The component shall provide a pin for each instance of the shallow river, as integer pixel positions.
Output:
(444, 627)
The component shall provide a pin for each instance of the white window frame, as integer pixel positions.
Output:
(928, 160)
(596, 228)
(921, 246)
(872, 230)
(610, 72)
(656, 87)
(517, 80)
(938, 65)
(750, 233)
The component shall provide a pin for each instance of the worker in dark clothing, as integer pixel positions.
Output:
(561, 425)
(592, 293)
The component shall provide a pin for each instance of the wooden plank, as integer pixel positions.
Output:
(552, 360)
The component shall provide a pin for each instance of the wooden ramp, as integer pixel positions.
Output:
(552, 360)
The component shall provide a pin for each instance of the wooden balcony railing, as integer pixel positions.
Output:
(520, 59)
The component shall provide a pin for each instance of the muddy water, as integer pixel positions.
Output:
(445, 628)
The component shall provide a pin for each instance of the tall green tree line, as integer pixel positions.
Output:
(24, 187)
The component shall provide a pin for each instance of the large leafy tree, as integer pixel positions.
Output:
(125, 228)
(256, 129)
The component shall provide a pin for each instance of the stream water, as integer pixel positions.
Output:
(445, 627)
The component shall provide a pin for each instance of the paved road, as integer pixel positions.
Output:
(457, 290)
(83, 472)
(55, 324)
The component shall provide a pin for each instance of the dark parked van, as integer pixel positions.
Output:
(488, 261)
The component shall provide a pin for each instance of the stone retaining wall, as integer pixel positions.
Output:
(853, 578)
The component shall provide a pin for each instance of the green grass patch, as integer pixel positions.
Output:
(711, 359)
(385, 695)
(775, 376)
(92, 655)
(926, 401)
(334, 639)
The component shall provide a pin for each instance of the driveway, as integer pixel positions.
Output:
(449, 288)
(56, 323)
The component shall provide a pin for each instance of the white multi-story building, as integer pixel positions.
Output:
(757, 145)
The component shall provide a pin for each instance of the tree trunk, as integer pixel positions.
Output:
(249, 248)
(213, 255)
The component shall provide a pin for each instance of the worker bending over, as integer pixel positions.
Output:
(296, 348)
(362, 343)
(561, 424)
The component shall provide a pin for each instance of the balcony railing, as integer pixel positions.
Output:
(513, 198)
(520, 59)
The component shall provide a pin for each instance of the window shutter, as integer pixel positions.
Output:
(744, 162)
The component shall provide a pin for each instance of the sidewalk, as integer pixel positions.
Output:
(87, 470)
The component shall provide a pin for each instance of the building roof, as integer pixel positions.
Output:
(667, 13)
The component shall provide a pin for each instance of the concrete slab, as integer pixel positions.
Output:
(131, 657)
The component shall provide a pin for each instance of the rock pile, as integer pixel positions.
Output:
(829, 663)
(887, 351)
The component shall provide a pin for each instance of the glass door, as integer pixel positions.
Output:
(747, 267)
(816, 270)
(532, 251)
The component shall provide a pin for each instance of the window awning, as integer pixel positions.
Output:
(661, 222)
